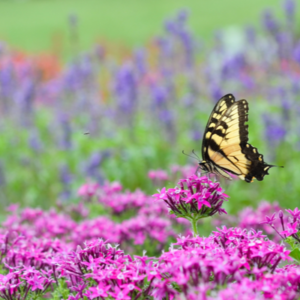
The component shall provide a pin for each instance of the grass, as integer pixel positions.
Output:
(36, 26)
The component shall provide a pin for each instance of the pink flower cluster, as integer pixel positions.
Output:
(196, 198)
(160, 177)
(49, 254)
(183, 171)
(111, 196)
(230, 258)
(144, 219)
(254, 218)
(38, 223)
(190, 265)
(289, 225)
(27, 265)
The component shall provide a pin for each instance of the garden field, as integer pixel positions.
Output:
(97, 104)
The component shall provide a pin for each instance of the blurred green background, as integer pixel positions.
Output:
(35, 26)
(143, 90)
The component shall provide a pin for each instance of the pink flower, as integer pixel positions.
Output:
(295, 213)
(130, 287)
(93, 263)
(120, 294)
(13, 207)
(194, 193)
(161, 195)
(99, 291)
(76, 297)
(88, 190)
(36, 282)
(292, 228)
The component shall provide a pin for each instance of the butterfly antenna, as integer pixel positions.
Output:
(193, 151)
(276, 166)
(190, 155)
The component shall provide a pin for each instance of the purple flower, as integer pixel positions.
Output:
(140, 61)
(66, 178)
(290, 9)
(251, 35)
(35, 142)
(296, 53)
(126, 90)
(269, 21)
(93, 165)
(274, 129)
(66, 131)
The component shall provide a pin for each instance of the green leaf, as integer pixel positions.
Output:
(295, 254)
(291, 241)
(61, 291)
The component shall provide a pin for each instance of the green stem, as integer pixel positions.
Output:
(194, 227)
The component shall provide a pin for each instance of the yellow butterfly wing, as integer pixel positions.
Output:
(227, 145)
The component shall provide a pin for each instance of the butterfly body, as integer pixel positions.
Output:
(225, 147)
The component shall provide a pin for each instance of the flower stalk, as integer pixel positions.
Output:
(194, 226)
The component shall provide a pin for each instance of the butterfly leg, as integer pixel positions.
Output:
(199, 172)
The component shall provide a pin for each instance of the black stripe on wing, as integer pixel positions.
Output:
(227, 134)
(227, 145)
(220, 108)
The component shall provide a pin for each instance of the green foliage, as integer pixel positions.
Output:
(32, 177)
(295, 254)
(61, 291)
(295, 248)
(3, 270)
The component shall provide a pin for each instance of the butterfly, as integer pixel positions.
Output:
(225, 147)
